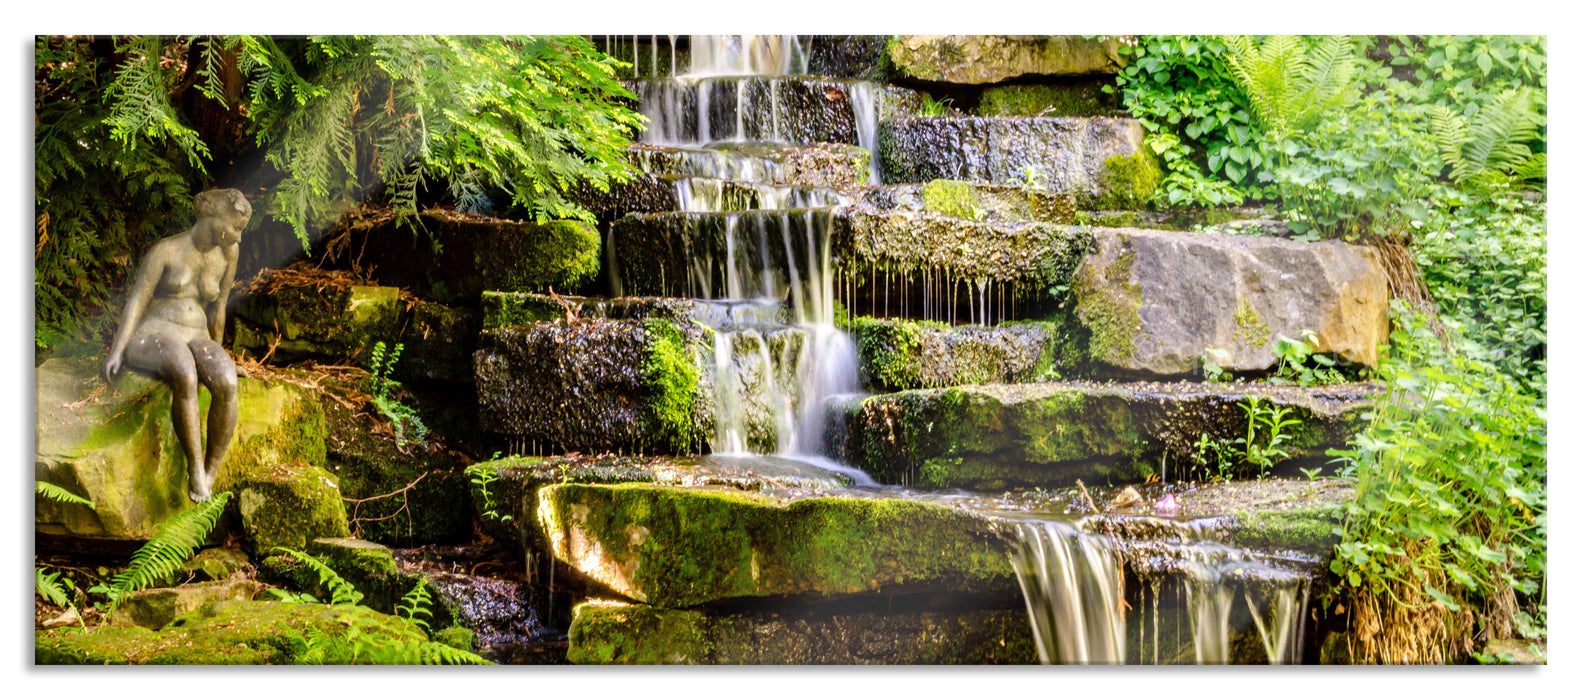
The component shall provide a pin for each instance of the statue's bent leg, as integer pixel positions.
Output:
(218, 373)
(169, 357)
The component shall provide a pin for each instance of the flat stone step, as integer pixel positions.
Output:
(1099, 160)
(977, 201)
(997, 436)
(658, 193)
(827, 165)
(980, 59)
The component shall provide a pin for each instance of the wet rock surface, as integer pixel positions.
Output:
(834, 165)
(1154, 301)
(898, 355)
(780, 109)
(1062, 154)
(996, 436)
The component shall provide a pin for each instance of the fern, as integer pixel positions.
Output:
(1289, 85)
(1495, 143)
(342, 592)
(140, 104)
(59, 494)
(403, 419)
(415, 603)
(174, 541)
(52, 585)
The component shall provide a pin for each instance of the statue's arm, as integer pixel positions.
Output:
(217, 309)
(142, 291)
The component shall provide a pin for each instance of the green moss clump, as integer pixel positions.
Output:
(289, 505)
(670, 373)
(608, 633)
(1251, 331)
(533, 258)
(1304, 529)
(1127, 182)
(1078, 100)
(952, 198)
(1112, 321)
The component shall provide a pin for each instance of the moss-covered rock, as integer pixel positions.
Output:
(979, 59)
(287, 505)
(1155, 301)
(677, 547)
(501, 309)
(214, 564)
(242, 632)
(331, 323)
(1127, 181)
(998, 436)
(154, 608)
(899, 354)
(595, 384)
(607, 632)
(117, 448)
(478, 253)
(979, 201)
(369, 567)
(1079, 99)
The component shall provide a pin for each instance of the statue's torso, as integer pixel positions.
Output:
(190, 281)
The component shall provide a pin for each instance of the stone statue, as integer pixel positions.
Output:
(174, 322)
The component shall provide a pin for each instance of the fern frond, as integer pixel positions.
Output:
(434, 653)
(59, 494)
(140, 104)
(1534, 168)
(173, 542)
(415, 603)
(48, 584)
(1496, 141)
(1449, 130)
(342, 592)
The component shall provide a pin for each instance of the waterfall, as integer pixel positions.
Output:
(1072, 583)
(746, 54)
(865, 110)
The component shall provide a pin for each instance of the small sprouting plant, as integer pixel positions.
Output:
(1294, 357)
(1256, 451)
(483, 478)
(1213, 373)
(935, 108)
(401, 416)
(1311, 474)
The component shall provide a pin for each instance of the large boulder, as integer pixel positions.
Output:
(996, 436)
(116, 447)
(679, 547)
(287, 505)
(610, 632)
(1098, 160)
(901, 354)
(333, 323)
(981, 59)
(595, 384)
(1155, 301)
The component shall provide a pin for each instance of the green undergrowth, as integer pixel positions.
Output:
(1446, 541)
(670, 373)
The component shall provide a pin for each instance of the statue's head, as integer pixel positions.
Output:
(227, 208)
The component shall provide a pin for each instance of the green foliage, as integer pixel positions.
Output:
(483, 477)
(1485, 262)
(1213, 373)
(1451, 493)
(1466, 73)
(1256, 451)
(100, 195)
(1363, 169)
(1494, 147)
(53, 586)
(382, 388)
(358, 643)
(530, 116)
(58, 494)
(1294, 358)
(1181, 89)
(935, 108)
(670, 373)
(1291, 82)
(173, 542)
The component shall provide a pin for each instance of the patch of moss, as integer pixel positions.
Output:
(289, 505)
(1251, 331)
(608, 633)
(233, 632)
(1127, 182)
(952, 198)
(1305, 529)
(670, 374)
(535, 257)
(1077, 100)
(1112, 319)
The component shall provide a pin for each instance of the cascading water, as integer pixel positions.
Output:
(1073, 584)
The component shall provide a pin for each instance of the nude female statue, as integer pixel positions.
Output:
(174, 322)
